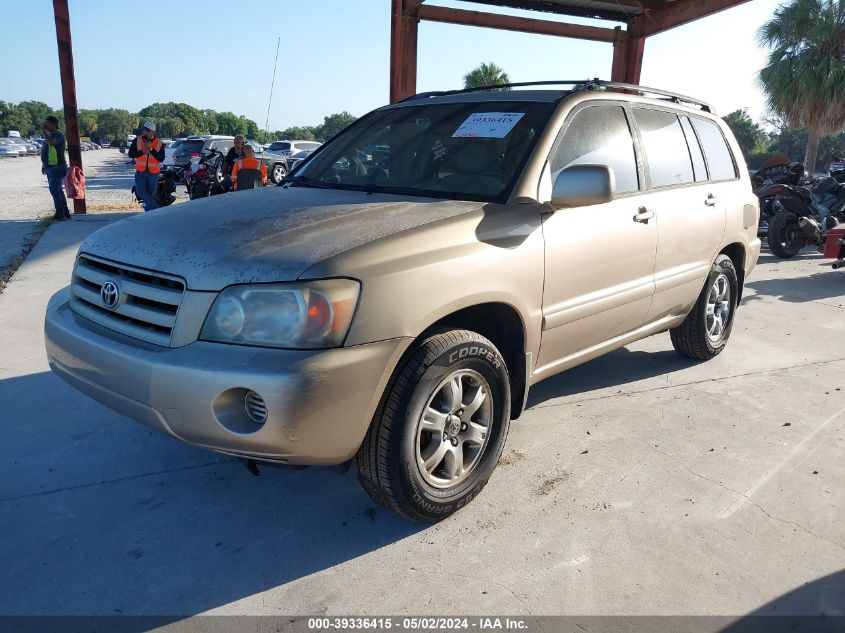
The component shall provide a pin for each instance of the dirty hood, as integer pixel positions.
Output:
(272, 234)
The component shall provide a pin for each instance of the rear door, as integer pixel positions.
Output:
(599, 276)
(689, 208)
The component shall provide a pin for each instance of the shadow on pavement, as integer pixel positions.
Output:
(103, 516)
(826, 284)
(815, 607)
(616, 368)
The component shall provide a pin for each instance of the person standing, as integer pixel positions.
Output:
(251, 171)
(54, 165)
(235, 153)
(148, 152)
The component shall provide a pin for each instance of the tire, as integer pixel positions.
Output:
(278, 173)
(444, 375)
(705, 331)
(785, 237)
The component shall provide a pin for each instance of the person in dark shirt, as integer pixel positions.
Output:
(148, 152)
(54, 165)
(235, 153)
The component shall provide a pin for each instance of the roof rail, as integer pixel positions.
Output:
(578, 84)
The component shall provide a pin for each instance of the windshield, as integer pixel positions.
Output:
(278, 146)
(468, 151)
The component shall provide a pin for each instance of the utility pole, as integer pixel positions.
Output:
(60, 11)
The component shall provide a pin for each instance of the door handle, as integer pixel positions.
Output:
(711, 200)
(644, 215)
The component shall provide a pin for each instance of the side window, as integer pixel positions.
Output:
(719, 159)
(695, 151)
(599, 135)
(667, 154)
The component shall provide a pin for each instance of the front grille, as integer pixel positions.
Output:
(147, 304)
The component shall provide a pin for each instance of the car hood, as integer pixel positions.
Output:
(272, 234)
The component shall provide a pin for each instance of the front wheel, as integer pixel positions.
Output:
(440, 428)
(705, 331)
(785, 236)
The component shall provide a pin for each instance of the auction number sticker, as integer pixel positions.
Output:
(488, 125)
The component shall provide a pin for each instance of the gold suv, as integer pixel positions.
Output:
(391, 303)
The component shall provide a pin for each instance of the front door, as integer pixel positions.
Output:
(599, 263)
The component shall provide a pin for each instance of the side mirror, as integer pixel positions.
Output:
(583, 185)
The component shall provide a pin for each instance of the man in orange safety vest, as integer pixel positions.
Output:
(148, 152)
(249, 172)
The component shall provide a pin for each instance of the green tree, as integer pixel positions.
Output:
(114, 124)
(230, 124)
(14, 118)
(804, 79)
(87, 120)
(486, 75)
(749, 135)
(296, 134)
(333, 124)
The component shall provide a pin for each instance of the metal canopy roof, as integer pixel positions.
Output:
(642, 18)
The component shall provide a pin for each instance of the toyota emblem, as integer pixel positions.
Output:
(110, 295)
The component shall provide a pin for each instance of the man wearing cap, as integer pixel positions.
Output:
(148, 153)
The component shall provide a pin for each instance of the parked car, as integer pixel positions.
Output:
(8, 149)
(297, 158)
(169, 149)
(394, 314)
(105, 144)
(278, 167)
(288, 148)
(17, 147)
(29, 147)
(182, 153)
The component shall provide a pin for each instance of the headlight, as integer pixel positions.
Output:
(307, 315)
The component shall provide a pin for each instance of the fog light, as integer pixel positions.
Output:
(256, 408)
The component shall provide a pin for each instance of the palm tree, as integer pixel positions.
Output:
(486, 75)
(804, 79)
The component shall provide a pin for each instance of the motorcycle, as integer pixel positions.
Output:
(204, 175)
(166, 188)
(802, 214)
(767, 187)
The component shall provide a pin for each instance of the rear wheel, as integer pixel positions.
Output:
(705, 331)
(279, 172)
(440, 428)
(785, 236)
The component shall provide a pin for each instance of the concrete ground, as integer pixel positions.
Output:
(25, 198)
(640, 483)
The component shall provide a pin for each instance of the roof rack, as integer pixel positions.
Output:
(578, 85)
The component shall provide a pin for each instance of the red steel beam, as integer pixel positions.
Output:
(512, 23)
(680, 12)
(404, 26)
(60, 11)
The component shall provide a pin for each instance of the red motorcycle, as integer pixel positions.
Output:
(204, 175)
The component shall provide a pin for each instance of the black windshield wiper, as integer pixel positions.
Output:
(302, 181)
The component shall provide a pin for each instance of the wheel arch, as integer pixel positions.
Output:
(504, 327)
(736, 252)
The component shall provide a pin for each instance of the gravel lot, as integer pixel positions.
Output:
(25, 199)
(23, 189)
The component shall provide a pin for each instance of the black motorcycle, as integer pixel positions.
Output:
(204, 175)
(767, 186)
(166, 188)
(802, 214)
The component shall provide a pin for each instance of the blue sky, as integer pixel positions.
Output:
(334, 55)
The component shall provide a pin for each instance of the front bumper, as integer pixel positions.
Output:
(319, 403)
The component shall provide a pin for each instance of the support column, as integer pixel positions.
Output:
(404, 26)
(63, 40)
(627, 57)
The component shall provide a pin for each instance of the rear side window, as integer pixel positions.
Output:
(277, 147)
(666, 150)
(599, 135)
(698, 167)
(719, 159)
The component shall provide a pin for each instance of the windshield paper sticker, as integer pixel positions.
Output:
(488, 125)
